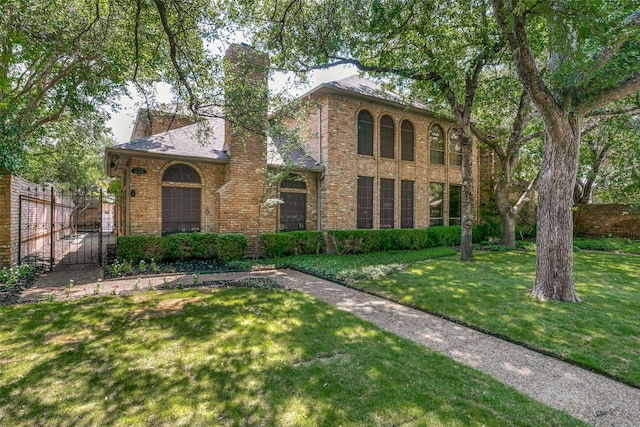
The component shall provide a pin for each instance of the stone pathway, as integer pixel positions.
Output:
(588, 396)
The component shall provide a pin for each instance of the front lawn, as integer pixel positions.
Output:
(492, 294)
(234, 357)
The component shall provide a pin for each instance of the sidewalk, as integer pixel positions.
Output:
(588, 396)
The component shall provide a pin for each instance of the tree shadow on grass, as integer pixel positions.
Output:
(234, 357)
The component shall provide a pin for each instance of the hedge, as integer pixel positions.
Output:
(181, 246)
(365, 241)
(292, 243)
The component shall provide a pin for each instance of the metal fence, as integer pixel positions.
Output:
(64, 228)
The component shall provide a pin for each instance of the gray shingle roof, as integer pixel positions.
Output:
(194, 140)
(370, 89)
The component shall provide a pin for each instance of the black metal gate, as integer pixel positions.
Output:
(65, 228)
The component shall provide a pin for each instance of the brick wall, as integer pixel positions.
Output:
(614, 220)
(11, 188)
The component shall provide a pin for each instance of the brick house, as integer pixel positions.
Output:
(368, 159)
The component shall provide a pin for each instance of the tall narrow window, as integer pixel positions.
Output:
(455, 204)
(407, 141)
(365, 133)
(436, 199)
(387, 137)
(387, 203)
(181, 188)
(436, 144)
(293, 209)
(406, 204)
(365, 202)
(455, 148)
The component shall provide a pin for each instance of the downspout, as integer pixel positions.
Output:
(320, 175)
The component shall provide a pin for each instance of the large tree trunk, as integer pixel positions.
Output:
(507, 217)
(554, 269)
(466, 237)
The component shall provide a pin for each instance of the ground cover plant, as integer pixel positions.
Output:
(348, 268)
(492, 294)
(610, 244)
(234, 357)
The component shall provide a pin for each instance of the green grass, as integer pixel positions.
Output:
(601, 333)
(349, 268)
(234, 357)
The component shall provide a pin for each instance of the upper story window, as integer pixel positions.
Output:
(436, 144)
(407, 141)
(387, 137)
(365, 133)
(455, 148)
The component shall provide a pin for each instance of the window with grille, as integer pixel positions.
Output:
(365, 133)
(181, 199)
(387, 203)
(436, 199)
(293, 211)
(455, 148)
(406, 204)
(387, 137)
(436, 145)
(365, 202)
(455, 204)
(407, 147)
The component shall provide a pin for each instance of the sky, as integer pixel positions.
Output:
(121, 122)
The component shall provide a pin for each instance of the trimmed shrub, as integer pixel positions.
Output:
(136, 248)
(231, 246)
(191, 245)
(366, 241)
(277, 245)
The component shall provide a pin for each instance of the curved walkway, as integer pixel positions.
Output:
(588, 396)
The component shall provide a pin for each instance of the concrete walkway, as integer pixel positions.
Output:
(588, 396)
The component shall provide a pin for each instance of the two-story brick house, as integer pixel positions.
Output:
(368, 159)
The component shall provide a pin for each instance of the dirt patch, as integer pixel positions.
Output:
(170, 307)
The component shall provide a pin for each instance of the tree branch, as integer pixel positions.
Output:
(601, 98)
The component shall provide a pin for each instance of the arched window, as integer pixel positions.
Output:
(436, 145)
(181, 199)
(387, 137)
(293, 209)
(407, 145)
(455, 148)
(365, 133)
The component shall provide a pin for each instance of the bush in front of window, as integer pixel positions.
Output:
(231, 247)
(277, 245)
(137, 248)
(366, 241)
(181, 246)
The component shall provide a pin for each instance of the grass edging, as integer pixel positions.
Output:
(468, 325)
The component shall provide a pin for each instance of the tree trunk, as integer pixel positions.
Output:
(507, 217)
(554, 268)
(466, 237)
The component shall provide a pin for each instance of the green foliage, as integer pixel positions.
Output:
(366, 241)
(608, 244)
(13, 275)
(292, 243)
(179, 246)
(231, 246)
(139, 248)
(190, 245)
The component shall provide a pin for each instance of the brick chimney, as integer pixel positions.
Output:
(246, 109)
